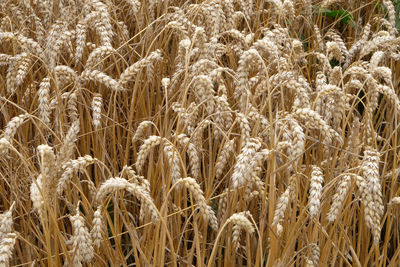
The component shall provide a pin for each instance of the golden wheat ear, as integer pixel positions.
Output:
(82, 244)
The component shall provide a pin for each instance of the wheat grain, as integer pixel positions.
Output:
(315, 191)
(204, 92)
(299, 86)
(48, 172)
(98, 228)
(189, 116)
(139, 65)
(143, 183)
(392, 16)
(244, 127)
(13, 125)
(339, 197)
(357, 46)
(391, 94)
(197, 134)
(318, 38)
(4, 145)
(382, 41)
(97, 103)
(395, 200)
(165, 82)
(371, 216)
(205, 210)
(17, 67)
(311, 118)
(174, 161)
(65, 75)
(297, 144)
(114, 184)
(134, 6)
(63, 37)
(97, 56)
(194, 160)
(241, 173)
(283, 202)
(66, 151)
(241, 222)
(5, 59)
(101, 77)
(335, 36)
(44, 95)
(254, 172)
(370, 170)
(224, 117)
(36, 195)
(99, 19)
(70, 168)
(6, 248)
(247, 59)
(326, 66)
(314, 257)
(137, 179)
(23, 66)
(6, 221)
(82, 248)
(144, 150)
(140, 130)
(334, 52)
(222, 160)
(80, 32)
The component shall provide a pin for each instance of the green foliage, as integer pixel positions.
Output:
(340, 14)
(396, 4)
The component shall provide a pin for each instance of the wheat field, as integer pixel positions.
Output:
(199, 133)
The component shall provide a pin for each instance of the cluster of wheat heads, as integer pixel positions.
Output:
(219, 133)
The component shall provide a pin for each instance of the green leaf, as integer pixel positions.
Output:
(396, 4)
(341, 14)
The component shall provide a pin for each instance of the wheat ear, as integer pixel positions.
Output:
(114, 184)
(205, 210)
(98, 229)
(339, 197)
(82, 247)
(241, 222)
(317, 180)
(241, 172)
